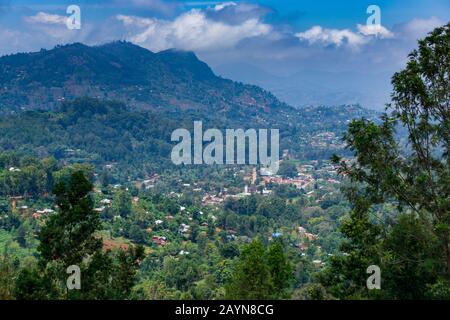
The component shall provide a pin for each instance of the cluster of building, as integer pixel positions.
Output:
(148, 183)
(104, 203)
(44, 212)
(305, 183)
(304, 234)
(159, 241)
(326, 140)
(211, 199)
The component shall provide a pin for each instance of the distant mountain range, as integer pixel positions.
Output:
(314, 88)
(119, 103)
(167, 80)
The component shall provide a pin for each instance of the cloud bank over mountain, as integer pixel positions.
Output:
(356, 59)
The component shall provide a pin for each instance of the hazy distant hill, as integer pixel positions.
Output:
(166, 80)
(313, 87)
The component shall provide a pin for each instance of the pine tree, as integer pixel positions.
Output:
(252, 279)
(279, 267)
(68, 236)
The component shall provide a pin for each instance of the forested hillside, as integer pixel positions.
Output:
(100, 132)
(169, 80)
(87, 184)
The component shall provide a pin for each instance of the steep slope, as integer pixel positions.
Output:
(168, 80)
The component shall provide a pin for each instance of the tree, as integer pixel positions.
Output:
(110, 275)
(137, 234)
(279, 267)
(409, 252)
(7, 274)
(122, 203)
(181, 273)
(312, 291)
(252, 279)
(414, 177)
(271, 206)
(288, 169)
(229, 250)
(422, 104)
(345, 277)
(125, 270)
(104, 178)
(21, 236)
(31, 284)
(68, 236)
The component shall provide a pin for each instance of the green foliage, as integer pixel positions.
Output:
(24, 175)
(398, 196)
(122, 203)
(288, 169)
(181, 274)
(346, 275)
(32, 285)
(260, 273)
(279, 267)
(68, 236)
(110, 275)
(312, 291)
(410, 252)
(411, 248)
(167, 79)
(7, 275)
(251, 280)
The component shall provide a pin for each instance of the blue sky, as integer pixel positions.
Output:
(306, 52)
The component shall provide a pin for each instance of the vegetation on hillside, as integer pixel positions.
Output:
(88, 184)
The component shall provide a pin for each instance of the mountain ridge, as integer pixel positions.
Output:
(120, 102)
(167, 80)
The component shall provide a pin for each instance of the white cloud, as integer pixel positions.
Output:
(192, 30)
(374, 30)
(223, 5)
(45, 30)
(339, 37)
(317, 34)
(47, 18)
